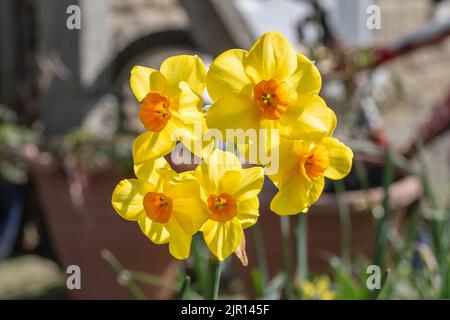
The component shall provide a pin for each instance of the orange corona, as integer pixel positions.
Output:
(313, 164)
(223, 207)
(158, 207)
(272, 98)
(154, 111)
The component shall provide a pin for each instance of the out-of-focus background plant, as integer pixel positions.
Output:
(68, 118)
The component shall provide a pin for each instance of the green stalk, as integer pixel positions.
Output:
(213, 280)
(302, 247)
(346, 224)
(383, 224)
(123, 275)
(285, 234)
(260, 254)
(197, 261)
(439, 227)
(184, 290)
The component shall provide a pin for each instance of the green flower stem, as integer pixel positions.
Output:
(302, 247)
(198, 261)
(346, 224)
(260, 254)
(285, 234)
(383, 224)
(213, 280)
(123, 275)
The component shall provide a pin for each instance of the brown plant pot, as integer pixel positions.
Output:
(324, 233)
(79, 236)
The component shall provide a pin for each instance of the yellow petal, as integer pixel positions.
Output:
(271, 57)
(226, 75)
(188, 209)
(287, 162)
(340, 158)
(149, 170)
(151, 145)
(188, 122)
(180, 241)
(306, 79)
(233, 112)
(308, 119)
(184, 68)
(222, 238)
(291, 198)
(210, 171)
(127, 198)
(156, 232)
(243, 185)
(315, 191)
(140, 81)
(248, 212)
(158, 82)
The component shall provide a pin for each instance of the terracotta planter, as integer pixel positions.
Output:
(324, 235)
(78, 236)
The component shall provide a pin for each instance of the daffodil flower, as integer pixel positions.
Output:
(304, 165)
(271, 86)
(319, 289)
(170, 105)
(231, 194)
(167, 206)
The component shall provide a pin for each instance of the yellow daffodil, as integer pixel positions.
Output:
(319, 289)
(168, 207)
(303, 166)
(231, 194)
(270, 86)
(170, 105)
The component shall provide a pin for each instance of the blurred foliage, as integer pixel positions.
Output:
(15, 140)
(85, 152)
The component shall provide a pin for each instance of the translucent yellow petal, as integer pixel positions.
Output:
(210, 171)
(151, 145)
(222, 238)
(156, 232)
(306, 78)
(233, 112)
(226, 75)
(179, 241)
(315, 191)
(188, 122)
(243, 185)
(149, 170)
(127, 198)
(230, 182)
(340, 158)
(287, 162)
(186, 105)
(184, 68)
(140, 81)
(308, 119)
(188, 209)
(271, 57)
(291, 198)
(248, 212)
(158, 82)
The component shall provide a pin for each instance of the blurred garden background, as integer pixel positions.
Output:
(68, 117)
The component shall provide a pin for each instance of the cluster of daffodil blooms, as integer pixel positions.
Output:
(270, 87)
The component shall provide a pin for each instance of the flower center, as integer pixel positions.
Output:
(272, 98)
(154, 111)
(158, 207)
(223, 207)
(313, 164)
